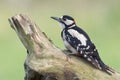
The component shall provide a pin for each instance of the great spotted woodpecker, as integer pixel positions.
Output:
(78, 42)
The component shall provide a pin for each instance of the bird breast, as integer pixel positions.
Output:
(67, 45)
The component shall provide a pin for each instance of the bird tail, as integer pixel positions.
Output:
(98, 63)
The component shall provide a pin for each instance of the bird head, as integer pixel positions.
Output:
(65, 20)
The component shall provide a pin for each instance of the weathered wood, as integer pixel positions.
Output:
(47, 62)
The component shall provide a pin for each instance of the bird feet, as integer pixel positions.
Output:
(68, 57)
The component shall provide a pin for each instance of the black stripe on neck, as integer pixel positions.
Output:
(71, 25)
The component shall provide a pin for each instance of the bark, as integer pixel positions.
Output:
(47, 62)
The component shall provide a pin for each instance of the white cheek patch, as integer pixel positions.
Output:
(69, 22)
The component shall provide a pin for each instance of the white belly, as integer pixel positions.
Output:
(69, 47)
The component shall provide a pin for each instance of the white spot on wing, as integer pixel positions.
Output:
(94, 49)
(79, 45)
(88, 47)
(81, 52)
(85, 55)
(77, 48)
(88, 59)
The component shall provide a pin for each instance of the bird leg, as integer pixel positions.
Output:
(68, 53)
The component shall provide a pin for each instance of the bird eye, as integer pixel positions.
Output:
(64, 19)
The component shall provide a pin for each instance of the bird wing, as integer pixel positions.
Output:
(85, 47)
(82, 44)
(76, 39)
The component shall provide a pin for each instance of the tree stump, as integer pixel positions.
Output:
(47, 62)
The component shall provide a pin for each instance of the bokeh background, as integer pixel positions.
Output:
(99, 18)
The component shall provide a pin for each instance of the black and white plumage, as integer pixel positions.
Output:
(78, 42)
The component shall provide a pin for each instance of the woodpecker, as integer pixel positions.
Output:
(79, 43)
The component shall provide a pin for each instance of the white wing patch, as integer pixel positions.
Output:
(80, 37)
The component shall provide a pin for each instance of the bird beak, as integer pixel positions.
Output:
(57, 19)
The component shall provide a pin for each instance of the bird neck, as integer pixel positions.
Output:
(70, 26)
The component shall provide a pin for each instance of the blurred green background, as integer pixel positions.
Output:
(99, 18)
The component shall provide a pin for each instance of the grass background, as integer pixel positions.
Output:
(99, 18)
